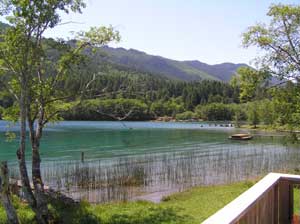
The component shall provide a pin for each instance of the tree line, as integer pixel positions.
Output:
(148, 95)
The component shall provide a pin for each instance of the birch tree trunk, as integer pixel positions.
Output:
(21, 151)
(12, 217)
(39, 192)
(26, 188)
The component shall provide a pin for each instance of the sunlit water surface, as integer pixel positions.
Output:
(123, 160)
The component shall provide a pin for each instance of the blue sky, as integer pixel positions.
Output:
(205, 30)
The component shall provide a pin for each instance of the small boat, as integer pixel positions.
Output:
(241, 137)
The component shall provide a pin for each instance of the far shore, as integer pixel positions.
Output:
(243, 125)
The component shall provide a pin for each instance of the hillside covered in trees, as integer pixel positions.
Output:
(132, 85)
(131, 90)
(116, 92)
(179, 70)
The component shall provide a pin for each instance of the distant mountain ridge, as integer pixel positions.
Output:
(181, 70)
(223, 71)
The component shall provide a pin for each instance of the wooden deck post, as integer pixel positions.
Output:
(275, 212)
(285, 202)
(291, 199)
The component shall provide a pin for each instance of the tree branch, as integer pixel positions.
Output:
(289, 38)
(115, 117)
(46, 120)
(69, 22)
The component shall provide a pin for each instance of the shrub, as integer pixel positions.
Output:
(215, 112)
(187, 115)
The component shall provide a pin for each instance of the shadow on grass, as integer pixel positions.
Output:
(84, 213)
(78, 213)
(150, 216)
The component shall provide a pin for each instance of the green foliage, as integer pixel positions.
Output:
(187, 115)
(239, 114)
(44, 65)
(163, 97)
(24, 212)
(98, 36)
(11, 113)
(109, 109)
(250, 83)
(10, 136)
(35, 78)
(253, 113)
(286, 104)
(279, 40)
(5, 99)
(267, 110)
(119, 108)
(215, 112)
(167, 108)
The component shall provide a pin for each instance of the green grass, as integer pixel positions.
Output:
(296, 201)
(269, 128)
(188, 207)
(24, 212)
(201, 202)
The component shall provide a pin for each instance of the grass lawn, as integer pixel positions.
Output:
(192, 206)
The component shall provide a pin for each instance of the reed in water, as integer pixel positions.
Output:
(125, 178)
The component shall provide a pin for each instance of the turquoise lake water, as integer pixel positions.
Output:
(66, 140)
(124, 160)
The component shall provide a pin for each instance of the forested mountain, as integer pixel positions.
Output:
(132, 82)
(181, 70)
(222, 71)
(117, 92)
(135, 60)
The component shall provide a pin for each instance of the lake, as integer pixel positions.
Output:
(124, 160)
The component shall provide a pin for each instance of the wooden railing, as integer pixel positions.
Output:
(268, 201)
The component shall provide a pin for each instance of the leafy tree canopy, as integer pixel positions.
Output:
(279, 41)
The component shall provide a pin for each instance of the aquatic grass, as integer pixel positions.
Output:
(125, 178)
